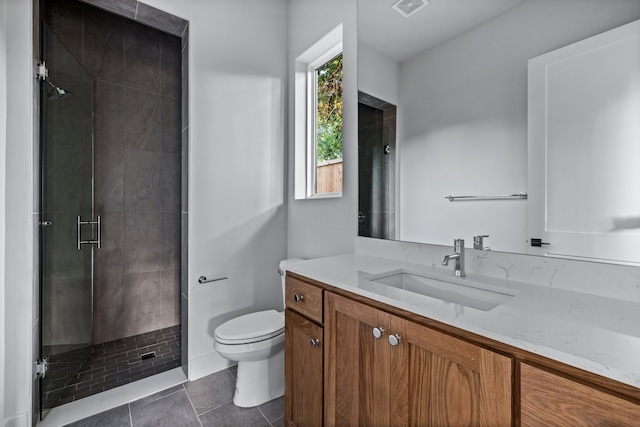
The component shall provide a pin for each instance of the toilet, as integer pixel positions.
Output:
(256, 342)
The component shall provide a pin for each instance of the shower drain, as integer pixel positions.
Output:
(144, 356)
(149, 355)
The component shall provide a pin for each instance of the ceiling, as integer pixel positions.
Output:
(385, 30)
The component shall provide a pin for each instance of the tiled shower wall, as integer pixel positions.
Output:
(376, 169)
(137, 134)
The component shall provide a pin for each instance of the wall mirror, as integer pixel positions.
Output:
(443, 110)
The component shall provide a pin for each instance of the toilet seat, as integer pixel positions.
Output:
(252, 327)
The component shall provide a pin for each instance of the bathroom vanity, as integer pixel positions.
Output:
(361, 355)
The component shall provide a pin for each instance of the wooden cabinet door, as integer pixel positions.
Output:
(552, 400)
(357, 364)
(303, 371)
(439, 380)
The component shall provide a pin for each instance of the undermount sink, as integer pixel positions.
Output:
(409, 286)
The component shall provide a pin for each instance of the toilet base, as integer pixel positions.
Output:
(259, 381)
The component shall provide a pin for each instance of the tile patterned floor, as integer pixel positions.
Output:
(112, 364)
(206, 402)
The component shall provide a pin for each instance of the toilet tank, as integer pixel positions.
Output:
(283, 267)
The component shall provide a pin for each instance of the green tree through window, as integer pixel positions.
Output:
(329, 109)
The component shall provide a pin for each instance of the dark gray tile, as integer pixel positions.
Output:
(142, 125)
(184, 336)
(151, 301)
(108, 280)
(369, 117)
(142, 58)
(273, 410)
(171, 125)
(372, 101)
(67, 313)
(103, 46)
(109, 121)
(156, 396)
(184, 254)
(171, 66)
(211, 391)
(126, 8)
(160, 20)
(64, 18)
(185, 87)
(170, 188)
(61, 257)
(115, 417)
(109, 179)
(184, 159)
(278, 423)
(173, 410)
(171, 242)
(230, 415)
(142, 181)
(152, 241)
(185, 36)
(69, 119)
(110, 257)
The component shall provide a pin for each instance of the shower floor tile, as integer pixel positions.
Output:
(113, 364)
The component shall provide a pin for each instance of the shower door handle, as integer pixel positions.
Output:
(98, 241)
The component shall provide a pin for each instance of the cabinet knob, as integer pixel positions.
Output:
(298, 298)
(314, 342)
(378, 332)
(394, 340)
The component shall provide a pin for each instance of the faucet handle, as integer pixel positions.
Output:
(458, 243)
(478, 241)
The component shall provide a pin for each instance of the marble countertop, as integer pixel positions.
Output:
(598, 334)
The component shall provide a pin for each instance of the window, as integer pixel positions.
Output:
(326, 127)
(318, 119)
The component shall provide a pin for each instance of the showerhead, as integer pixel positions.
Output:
(56, 92)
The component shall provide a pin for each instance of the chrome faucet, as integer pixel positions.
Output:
(458, 255)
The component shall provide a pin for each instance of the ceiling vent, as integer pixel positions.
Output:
(407, 8)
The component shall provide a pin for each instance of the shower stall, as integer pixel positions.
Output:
(376, 167)
(110, 230)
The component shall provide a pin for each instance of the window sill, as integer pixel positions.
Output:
(323, 196)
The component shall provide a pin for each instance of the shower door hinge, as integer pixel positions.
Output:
(42, 367)
(42, 72)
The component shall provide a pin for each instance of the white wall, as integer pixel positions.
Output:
(378, 74)
(237, 217)
(3, 145)
(463, 126)
(322, 227)
(18, 273)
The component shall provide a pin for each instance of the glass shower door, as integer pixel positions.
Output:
(67, 230)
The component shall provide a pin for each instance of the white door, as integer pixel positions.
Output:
(584, 148)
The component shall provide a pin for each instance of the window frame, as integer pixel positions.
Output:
(304, 113)
(312, 121)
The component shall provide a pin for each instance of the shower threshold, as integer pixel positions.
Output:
(111, 365)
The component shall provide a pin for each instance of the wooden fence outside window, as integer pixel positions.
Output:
(329, 177)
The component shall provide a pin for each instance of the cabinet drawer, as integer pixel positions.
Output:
(304, 298)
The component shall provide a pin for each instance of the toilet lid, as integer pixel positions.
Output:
(251, 327)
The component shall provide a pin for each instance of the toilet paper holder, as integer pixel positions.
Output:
(204, 279)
